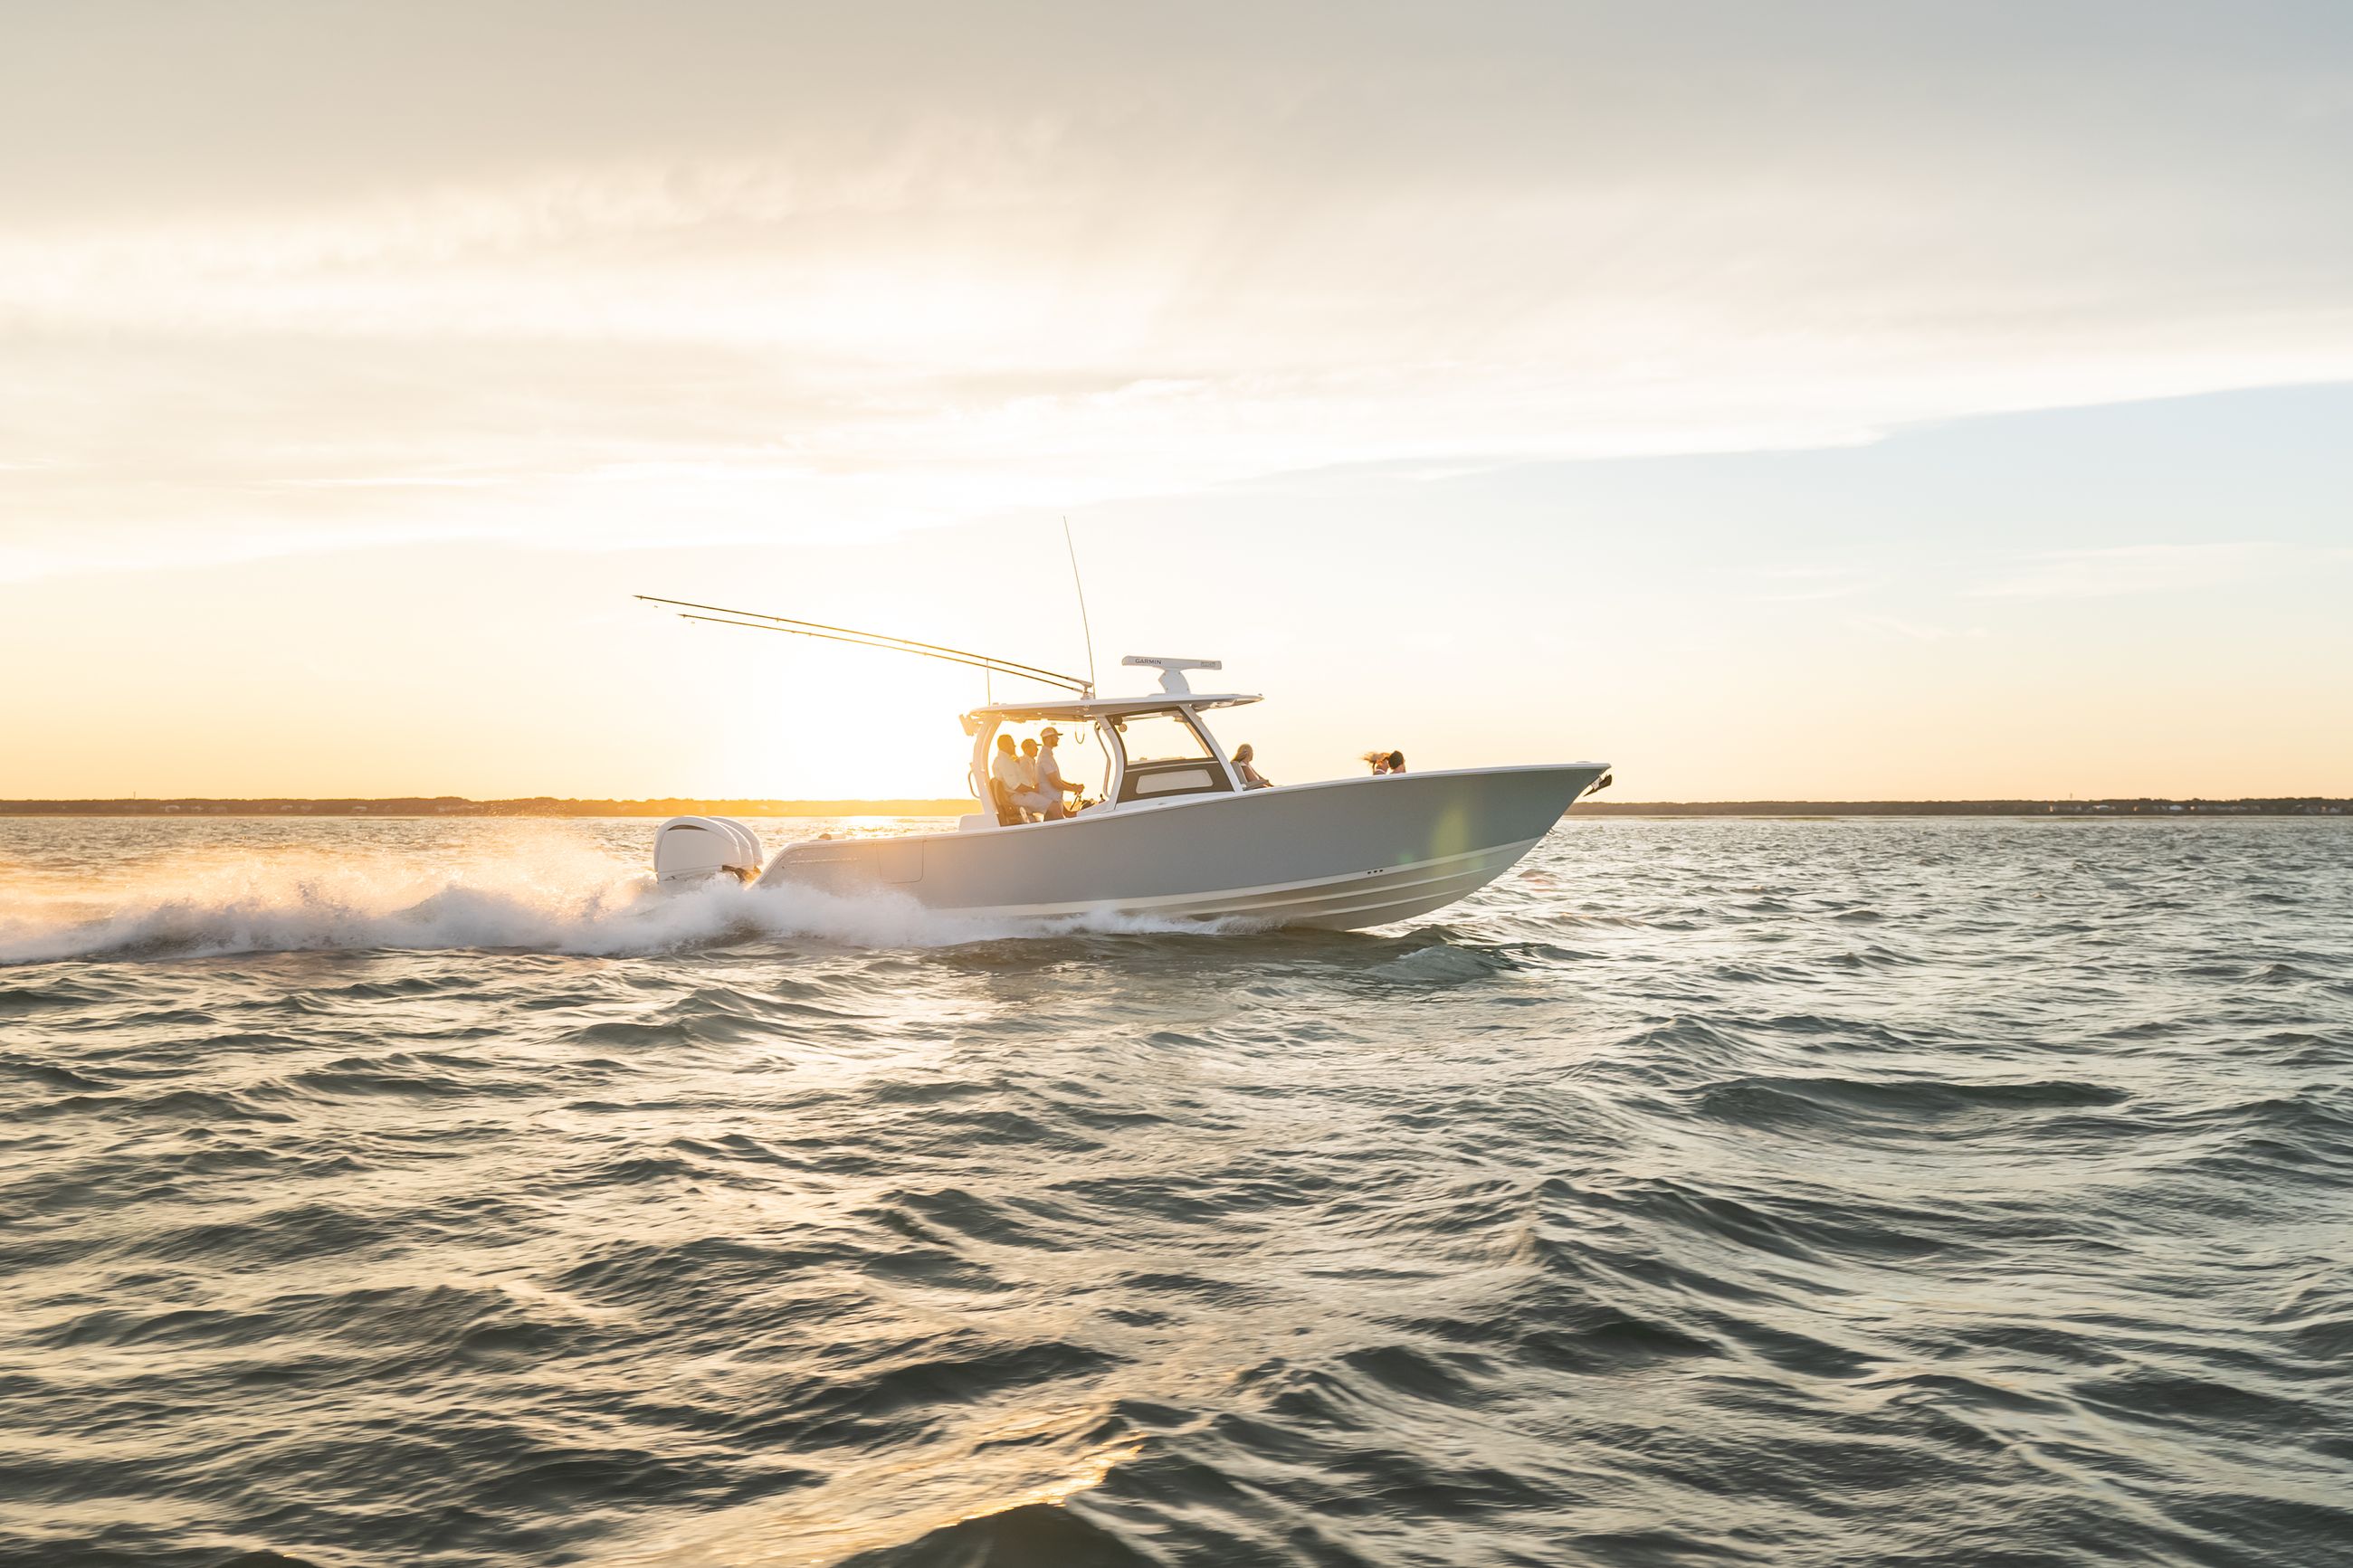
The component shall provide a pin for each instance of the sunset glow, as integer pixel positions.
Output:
(1852, 407)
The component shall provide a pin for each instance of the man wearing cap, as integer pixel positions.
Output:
(1050, 782)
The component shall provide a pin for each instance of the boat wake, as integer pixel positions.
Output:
(556, 898)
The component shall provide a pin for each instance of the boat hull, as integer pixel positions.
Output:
(1340, 855)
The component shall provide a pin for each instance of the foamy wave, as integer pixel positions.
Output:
(572, 900)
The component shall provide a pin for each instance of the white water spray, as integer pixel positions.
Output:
(548, 892)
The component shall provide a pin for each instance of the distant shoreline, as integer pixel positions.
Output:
(2292, 806)
(550, 806)
(459, 806)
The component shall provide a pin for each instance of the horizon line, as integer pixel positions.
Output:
(416, 806)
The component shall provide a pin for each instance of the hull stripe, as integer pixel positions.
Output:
(1284, 900)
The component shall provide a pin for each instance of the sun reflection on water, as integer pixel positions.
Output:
(988, 1468)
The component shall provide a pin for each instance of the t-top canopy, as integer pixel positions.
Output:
(1079, 708)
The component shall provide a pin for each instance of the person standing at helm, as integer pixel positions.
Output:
(1035, 797)
(1050, 782)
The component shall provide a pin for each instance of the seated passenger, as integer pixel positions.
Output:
(1251, 777)
(1380, 761)
(1395, 763)
(1006, 782)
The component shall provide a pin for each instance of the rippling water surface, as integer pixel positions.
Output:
(1943, 1191)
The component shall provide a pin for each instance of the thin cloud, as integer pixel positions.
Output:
(2129, 570)
(1910, 630)
(1811, 585)
(954, 268)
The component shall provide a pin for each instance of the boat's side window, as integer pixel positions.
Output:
(1166, 756)
(1160, 738)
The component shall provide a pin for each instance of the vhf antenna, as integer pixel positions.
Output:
(1077, 582)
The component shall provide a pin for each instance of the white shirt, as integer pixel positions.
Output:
(1012, 773)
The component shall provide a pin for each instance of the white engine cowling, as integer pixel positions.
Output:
(689, 848)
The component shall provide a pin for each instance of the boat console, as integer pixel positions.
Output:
(1156, 746)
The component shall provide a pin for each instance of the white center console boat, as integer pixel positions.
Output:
(1175, 835)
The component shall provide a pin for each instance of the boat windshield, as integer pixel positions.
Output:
(1160, 738)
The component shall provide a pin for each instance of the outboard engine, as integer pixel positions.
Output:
(691, 849)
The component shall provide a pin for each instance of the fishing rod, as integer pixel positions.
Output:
(759, 621)
(980, 661)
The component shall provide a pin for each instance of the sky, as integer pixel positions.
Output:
(1791, 400)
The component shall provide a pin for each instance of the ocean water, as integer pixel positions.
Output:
(1707, 1192)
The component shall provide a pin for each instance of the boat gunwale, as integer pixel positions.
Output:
(1180, 803)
